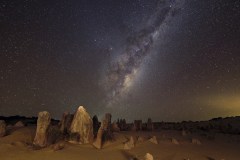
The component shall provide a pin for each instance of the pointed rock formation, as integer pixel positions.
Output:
(2, 128)
(154, 140)
(130, 144)
(82, 125)
(43, 123)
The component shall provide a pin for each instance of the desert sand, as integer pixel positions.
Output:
(17, 146)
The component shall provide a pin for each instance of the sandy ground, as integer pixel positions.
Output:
(222, 147)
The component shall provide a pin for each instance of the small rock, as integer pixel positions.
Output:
(19, 124)
(148, 156)
(196, 141)
(184, 133)
(140, 139)
(174, 141)
(154, 140)
(58, 146)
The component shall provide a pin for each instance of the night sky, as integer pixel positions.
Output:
(169, 60)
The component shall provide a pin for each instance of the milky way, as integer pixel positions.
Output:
(123, 69)
(170, 60)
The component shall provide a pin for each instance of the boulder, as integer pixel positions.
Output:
(196, 141)
(65, 123)
(174, 141)
(19, 124)
(83, 126)
(154, 140)
(43, 123)
(2, 128)
(148, 156)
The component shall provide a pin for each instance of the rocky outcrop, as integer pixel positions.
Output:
(98, 142)
(96, 125)
(82, 125)
(65, 123)
(43, 123)
(2, 128)
(104, 132)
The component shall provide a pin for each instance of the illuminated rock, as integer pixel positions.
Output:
(83, 126)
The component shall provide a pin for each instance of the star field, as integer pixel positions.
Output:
(169, 60)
